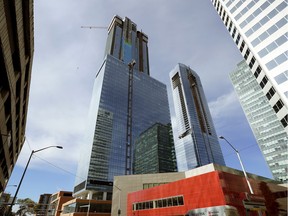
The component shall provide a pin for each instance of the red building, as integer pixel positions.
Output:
(216, 188)
(56, 201)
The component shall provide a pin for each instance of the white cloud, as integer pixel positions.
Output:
(224, 106)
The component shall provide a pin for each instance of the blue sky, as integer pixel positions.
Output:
(67, 57)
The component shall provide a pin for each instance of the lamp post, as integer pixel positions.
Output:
(238, 155)
(33, 151)
(119, 209)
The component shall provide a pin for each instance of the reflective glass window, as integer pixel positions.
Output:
(281, 77)
(277, 61)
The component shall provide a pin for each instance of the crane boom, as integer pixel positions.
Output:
(99, 27)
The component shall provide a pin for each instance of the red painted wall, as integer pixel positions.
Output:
(198, 192)
(211, 189)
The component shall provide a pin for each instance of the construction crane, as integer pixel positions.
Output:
(98, 27)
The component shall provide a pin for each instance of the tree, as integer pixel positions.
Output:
(4, 203)
(26, 207)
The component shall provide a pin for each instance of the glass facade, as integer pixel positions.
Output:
(196, 141)
(125, 103)
(268, 131)
(154, 151)
(259, 29)
(124, 42)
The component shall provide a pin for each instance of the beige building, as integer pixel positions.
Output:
(130, 183)
(80, 207)
(16, 55)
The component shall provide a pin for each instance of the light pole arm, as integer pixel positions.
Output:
(242, 166)
(231, 145)
(46, 148)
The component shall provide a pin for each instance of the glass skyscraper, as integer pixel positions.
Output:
(196, 141)
(268, 131)
(154, 151)
(126, 101)
(259, 29)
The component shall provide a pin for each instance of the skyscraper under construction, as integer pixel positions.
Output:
(126, 101)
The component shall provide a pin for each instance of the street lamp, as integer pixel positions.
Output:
(33, 151)
(237, 152)
(11, 186)
(119, 207)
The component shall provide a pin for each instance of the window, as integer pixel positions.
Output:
(263, 82)
(270, 31)
(229, 3)
(282, 77)
(247, 54)
(278, 106)
(242, 46)
(270, 93)
(238, 39)
(180, 199)
(258, 71)
(277, 61)
(160, 203)
(170, 202)
(249, 32)
(223, 17)
(252, 62)
(164, 202)
(284, 121)
(237, 6)
(234, 32)
(272, 46)
(227, 19)
(230, 26)
(221, 8)
(175, 201)
(251, 4)
(263, 52)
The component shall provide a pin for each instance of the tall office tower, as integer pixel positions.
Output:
(16, 55)
(154, 151)
(259, 29)
(268, 131)
(126, 101)
(197, 142)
